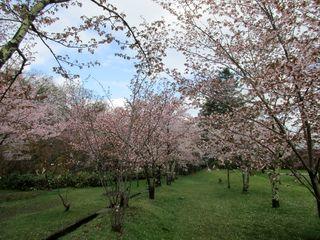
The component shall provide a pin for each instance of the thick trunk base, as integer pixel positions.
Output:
(318, 208)
(245, 182)
(117, 228)
(274, 177)
(117, 219)
(168, 181)
(124, 201)
(228, 177)
(151, 192)
(316, 189)
(64, 202)
(275, 203)
(158, 182)
(158, 177)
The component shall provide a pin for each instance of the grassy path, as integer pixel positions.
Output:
(198, 207)
(194, 207)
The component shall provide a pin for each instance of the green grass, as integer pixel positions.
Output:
(194, 207)
(34, 215)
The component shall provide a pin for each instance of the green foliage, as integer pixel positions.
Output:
(25, 182)
(86, 179)
(222, 99)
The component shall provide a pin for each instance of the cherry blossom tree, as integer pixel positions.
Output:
(182, 141)
(101, 132)
(175, 130)
(119, 140)
(28, 112)
(189, 151)
(253, 147)
(273, 49)
(154, 110)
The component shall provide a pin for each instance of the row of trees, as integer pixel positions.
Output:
(267, 109)
(150, 135)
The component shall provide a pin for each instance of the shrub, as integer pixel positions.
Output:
(26, 182)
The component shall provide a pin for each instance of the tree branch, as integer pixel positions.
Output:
(24, 61)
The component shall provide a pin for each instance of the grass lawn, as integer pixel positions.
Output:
(194, 207)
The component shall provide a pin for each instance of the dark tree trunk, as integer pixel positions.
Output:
(316, 189)
(171, 172)
(274, 177)
(152, 190)
(245, 181)
(137, 179)
(275, 203)
(124, 200)
(173, 176)
(168, 179)
(117, 219)
(228, 177)
(48, 182)
(64, 202)
(158, 177)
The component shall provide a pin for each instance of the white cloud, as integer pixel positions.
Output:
(175, 59)
(42, 55)
(60, 81)
(118, 102)
(137, 10)
(112, 61)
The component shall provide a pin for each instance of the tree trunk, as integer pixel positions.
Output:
(228, 177)
(8, 49)
(171, 171)
(117, 219)
(158, 177)
(124, 200)
(245, 181)
(274, 177)
(173, 176)
(152, 189)
(64, 201)
(316, 189)
(137, 179)
(48, 182)
(168, 178)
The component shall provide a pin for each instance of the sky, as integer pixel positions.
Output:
(114, 73)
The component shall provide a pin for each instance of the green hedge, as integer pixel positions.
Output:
(26, 182)
(43, 182)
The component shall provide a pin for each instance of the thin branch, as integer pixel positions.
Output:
(137, 42)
